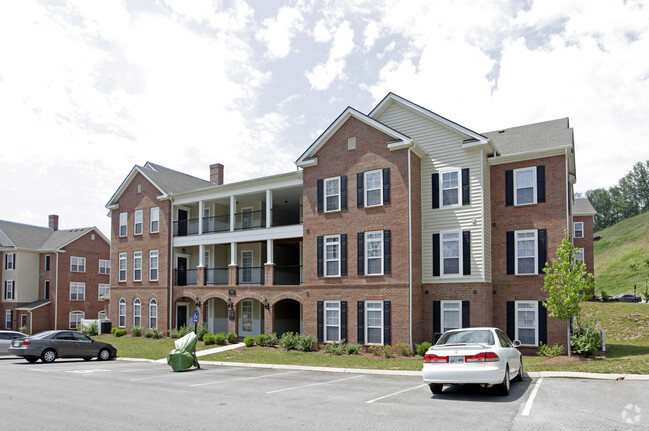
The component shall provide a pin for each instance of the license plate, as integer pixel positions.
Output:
(456, 359)
(16, 343)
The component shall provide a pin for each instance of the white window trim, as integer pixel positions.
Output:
(382, 323)
(79, 260)
(536, 319)
(583, 256)
(441, 253)
(333, 260)
(574, 230)
(137, 301)
(13, 291)
(9, 319)
(121, 303)
(122, 257)
(533, 169)
(152, 315)
(10, 261)
(366, 190)
(157, 265)
(324, 193)
(123, 221)
(365, 254)
(105, 287)
(79, 293)
(156, 211)
(459, 188)
(325, 320)
(441, 308)
(138, 220)
(536, 251)
(106, 266)
(76, 313)
(137, 255)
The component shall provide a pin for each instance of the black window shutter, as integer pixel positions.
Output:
(466, 191)
(387, 253)
(466, 314)
(466, 252)
(543, 244)
(360, 239)
(320, 196)
(359, 191)
(510, 252)
(435, 190)
(343, 192)
(509, 188)
(436, 255)
(511, 321)
(14, 259)
(343, 321)
(361, 322)
(437, 320)
(320, 255)
(543, 323)
(387, 339)
(343, 254)
(540, 184)
(386, 186)
(320, 321)
(11, 319)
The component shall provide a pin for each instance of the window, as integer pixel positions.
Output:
(137, 266)
(155, 220)
(101, 315)
(47, 289)
(122, 312)
(373, 188)
(122, 267)
(374, 252)
(374, 322)
(332, 194)
(153, 265)
(527, 322)
(451, 315)
(9, 317)
(78, 264)
(77, 291)
(104, 290)
(75, 319)
(10, 290)
(332, 320)
(153, 314)
(137, 226)
(104, 266)
(525, 186)
(332, 255)
(450, 188)
(137, 312)
(123, 224)
(579, 229)
(526, 252)
(47, 262)
(10, 261)
(579, 256)
(451, 256)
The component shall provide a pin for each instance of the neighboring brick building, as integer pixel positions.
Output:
(399, 225)
(51, 278)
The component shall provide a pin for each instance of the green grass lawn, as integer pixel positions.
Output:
(140, 347)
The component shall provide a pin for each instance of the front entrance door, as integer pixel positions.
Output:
(182, 272)
(182, 222)
(181, 317)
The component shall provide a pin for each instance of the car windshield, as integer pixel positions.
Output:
(482, 336)
(43, 334)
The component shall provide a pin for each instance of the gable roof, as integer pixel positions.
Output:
(27, 237)
(166, 180)
(402, 141)
(583, 207)
(544, 136)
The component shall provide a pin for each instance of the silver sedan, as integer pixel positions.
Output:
(5, 340)
(50, 345)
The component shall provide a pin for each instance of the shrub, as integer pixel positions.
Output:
(381, 351)
(605, 296)
(181, 332)
(261, 340)
(93, 329)
(208, 338)
(249, 341)
(549, 351)
(23, 329)
(335, 348)
(201, 331)
(232, 338)
(137, 331)
(119, 332)
(422, 348)
(272, 339)
(404, 349)
(353, 349)
(288, 340)
(153, 333)
(306, 343)
(586, 340)
(219, 339)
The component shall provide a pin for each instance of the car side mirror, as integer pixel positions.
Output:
(517, 343)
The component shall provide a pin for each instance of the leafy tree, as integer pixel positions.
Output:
(567, 284)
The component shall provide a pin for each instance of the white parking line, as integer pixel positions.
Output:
(530, 401)
(396, 393)
(242, 378)
(172, 374)
(312, 384)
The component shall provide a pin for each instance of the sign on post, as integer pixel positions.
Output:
(195, 316)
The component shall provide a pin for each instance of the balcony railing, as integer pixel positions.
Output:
(288, 274)
(250, 220)
(186, 277)
(216, 276)
(251, 275)
(186, 227)
(287, 215)
(216, 224)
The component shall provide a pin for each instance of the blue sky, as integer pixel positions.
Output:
(89, 89)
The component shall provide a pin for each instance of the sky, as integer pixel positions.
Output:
(89, 89)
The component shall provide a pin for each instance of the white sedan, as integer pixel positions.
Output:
(483, 356)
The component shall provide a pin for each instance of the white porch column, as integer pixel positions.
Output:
(269, 204)
(233, 207)
(200, 218)
(201, 255)
(233, 253)
(269, 252)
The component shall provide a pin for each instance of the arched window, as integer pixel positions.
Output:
(75, 319)
(122, 312)
(137, 312)
(153, 314)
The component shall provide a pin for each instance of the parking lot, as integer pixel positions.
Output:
(141, 395)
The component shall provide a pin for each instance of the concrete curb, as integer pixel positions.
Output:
(589, 376)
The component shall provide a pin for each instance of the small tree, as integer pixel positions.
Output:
(567, 284)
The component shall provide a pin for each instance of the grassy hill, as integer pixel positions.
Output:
(622, 256)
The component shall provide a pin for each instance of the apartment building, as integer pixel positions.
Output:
(398, 225)
(51, 278)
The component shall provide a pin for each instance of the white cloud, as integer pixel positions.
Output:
(277, 33)
(324, 74)
(371, 34)
(321, 32)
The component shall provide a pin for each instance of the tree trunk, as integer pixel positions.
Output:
(569, 327)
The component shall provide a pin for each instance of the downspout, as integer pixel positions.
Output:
(410, 245)
(56, 293)
(171, 264)
(570, 233)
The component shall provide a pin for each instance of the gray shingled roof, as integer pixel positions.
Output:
(532, 137)
(583, 207)
(60, 238)
(173, 181)
(24, 236)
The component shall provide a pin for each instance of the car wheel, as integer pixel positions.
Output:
(31, 359)
(519, 376)
(48, 356)
(436, 388)
(503, 388)
(103, 355)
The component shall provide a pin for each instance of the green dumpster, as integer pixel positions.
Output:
(184, 355)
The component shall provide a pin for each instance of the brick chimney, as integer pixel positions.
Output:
(216, 174)
(54, 222)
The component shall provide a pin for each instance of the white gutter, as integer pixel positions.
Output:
(568, 197)
(410, 245)
(56, 293)
(171, 263)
